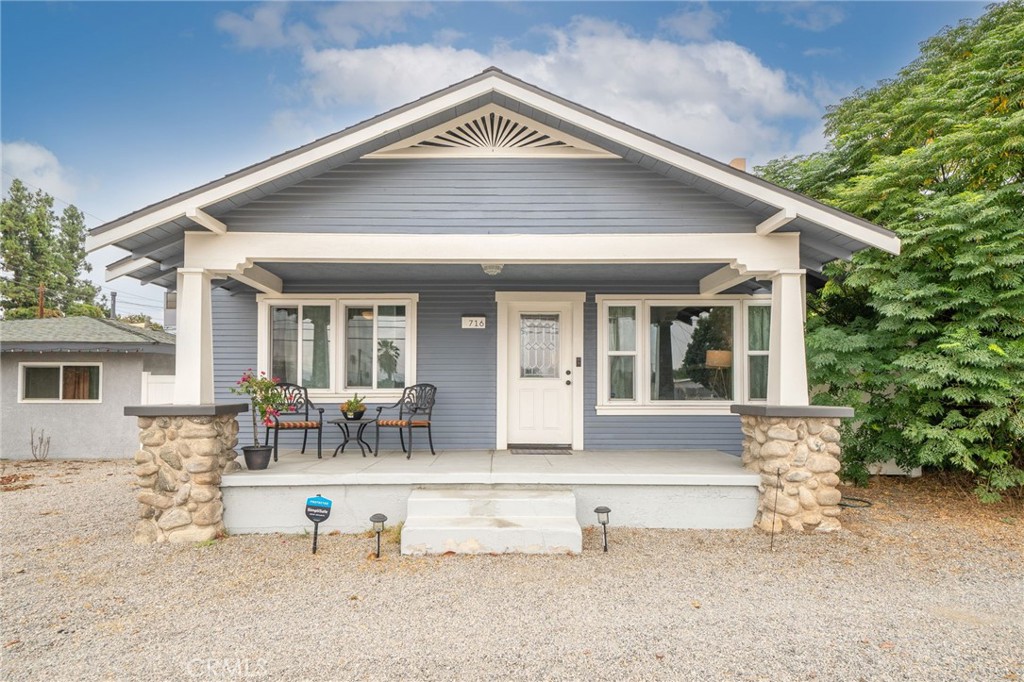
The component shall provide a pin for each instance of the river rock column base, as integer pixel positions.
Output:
(179, 468)
(798, 458)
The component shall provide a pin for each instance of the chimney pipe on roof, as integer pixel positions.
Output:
(739, 163)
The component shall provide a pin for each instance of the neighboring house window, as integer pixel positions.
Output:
(677, 354)
(60, 382)
(371, 349)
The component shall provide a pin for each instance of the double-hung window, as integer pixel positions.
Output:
(336, 345)
(59, 382)
(664, 354)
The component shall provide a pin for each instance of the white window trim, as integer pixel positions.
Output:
(762, 302)
(22, 366)
(332, 342)
(338, 391)
(643, 404)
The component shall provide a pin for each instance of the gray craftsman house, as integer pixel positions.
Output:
(563, 278)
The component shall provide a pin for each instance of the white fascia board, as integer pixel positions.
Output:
(235, 250)
(127, 267)
(704, 170)
(776, 221)
(256, 178)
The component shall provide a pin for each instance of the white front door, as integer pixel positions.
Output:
(540, 373)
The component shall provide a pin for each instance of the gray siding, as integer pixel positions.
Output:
(462, 365)
(76, 430)
(490, 195)
(234, 349)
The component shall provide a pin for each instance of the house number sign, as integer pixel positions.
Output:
(474, 322)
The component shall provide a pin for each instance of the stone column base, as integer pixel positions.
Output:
(797, 452)
(179, 469)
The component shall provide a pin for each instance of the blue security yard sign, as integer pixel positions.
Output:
(318, 509)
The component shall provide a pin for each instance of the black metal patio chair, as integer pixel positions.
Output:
(415, 409)
(295, 415)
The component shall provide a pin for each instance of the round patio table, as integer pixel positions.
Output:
(345, 424)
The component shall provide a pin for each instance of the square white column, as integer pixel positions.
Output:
(787, 358)
(193, 349)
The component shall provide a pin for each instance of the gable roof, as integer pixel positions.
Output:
(153, 234)
(81, 334)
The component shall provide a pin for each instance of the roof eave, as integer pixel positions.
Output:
(542, 100)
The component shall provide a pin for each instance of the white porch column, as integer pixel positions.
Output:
(193, 382)
(787, 361)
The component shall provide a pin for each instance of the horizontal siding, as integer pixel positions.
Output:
(461, 363)
(234, 349)
(490, 195)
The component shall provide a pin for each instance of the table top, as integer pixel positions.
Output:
(365, 419)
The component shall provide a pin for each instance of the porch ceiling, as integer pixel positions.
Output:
(331, 277)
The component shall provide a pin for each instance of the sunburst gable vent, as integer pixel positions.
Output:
(491, 131)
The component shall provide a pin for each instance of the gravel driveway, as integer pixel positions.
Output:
(900, 594)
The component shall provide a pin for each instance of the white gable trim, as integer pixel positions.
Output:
(496, 83)
(492, 132)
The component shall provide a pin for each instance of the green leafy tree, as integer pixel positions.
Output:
(39, 247)
(143, 319)
(929, 345)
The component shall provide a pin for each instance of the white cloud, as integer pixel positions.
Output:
(261, 26)
(268, 25)
(694, 22)
(809, 16)
(447, 36)
(38, 167)
(716, 97)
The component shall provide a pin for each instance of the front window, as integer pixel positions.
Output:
(759, 318)
(380, 327)
(659, 355)
(60, 382)
(369, 349)
(301, 340)
(691, 352)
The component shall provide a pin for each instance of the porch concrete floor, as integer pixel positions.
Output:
(489, 467)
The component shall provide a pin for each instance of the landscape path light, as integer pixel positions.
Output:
(378, 526)
(602, 518)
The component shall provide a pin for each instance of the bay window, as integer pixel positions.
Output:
(371, 349)
(680, 354)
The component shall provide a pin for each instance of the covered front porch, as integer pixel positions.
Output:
(647, 489)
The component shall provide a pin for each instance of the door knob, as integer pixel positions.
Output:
(568, 372)
(568, 382)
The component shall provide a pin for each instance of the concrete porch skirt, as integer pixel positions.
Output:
(644, 489)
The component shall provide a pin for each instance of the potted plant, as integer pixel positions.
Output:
(354, 407)
(266, 402)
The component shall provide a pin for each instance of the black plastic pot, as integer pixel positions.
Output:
(257, 456)
(354, 415)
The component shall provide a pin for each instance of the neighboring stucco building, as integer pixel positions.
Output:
(71, 378)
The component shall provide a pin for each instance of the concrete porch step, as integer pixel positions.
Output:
(488, 521)
(492, 502)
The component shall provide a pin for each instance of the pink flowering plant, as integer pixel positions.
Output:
(267, 400)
